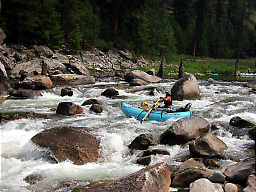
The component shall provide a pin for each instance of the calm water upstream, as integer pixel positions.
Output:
(218, 103)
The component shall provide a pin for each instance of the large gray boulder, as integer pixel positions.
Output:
(209, 146)
(186, 88)
(78, 67)
(184, 130)
(251, 183)
(239, 172)
(31, 67)
(72, 79)
(146, 78)
(25, 93)
(150, 179)
(77, 144)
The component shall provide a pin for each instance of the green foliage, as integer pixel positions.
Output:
(155, 27)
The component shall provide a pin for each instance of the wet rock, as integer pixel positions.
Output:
(136, 74)
(69, 108)
(205, 185)
(239, 172)
(25, 93)
(110, 92)
(33, 178)
(77, 144)
(153, 178)
(217, 177)
(44, 51)
(241, 123)
(252, 133)
(186, 88)
(230, 187)
(71, 79)
(144, 160)
(91, 101)
(2, 99)
(187, 164)
(142, 142)
(96, 108)
(155, 152)
(66, 91)
(36, 83)
(189, 175)
(211, 163)
(207, 146)
(184, 130)
(251, 183)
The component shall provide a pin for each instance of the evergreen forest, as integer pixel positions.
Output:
(205, 28)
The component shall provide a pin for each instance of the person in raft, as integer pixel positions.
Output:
(167, 101)
(144, 105)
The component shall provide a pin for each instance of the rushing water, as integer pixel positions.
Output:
(218, 103)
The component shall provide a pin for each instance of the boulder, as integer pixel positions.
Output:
(189, 175)
(69, 108)
(8, 63)
(186, 88)
(96, 108)
(136, 74)
(241, 123)
(44, 51)
(137, 82)
(230, 187)
(142, 142)
(66, 91)
(36, 83)
(239, 172)
(25, 93)
(110, 92)
(211, 163)
(149, 179)
(252, 133)
(146, 160)
(91, 101)
(56, 66)
(184, 130)
(217, 177)
(205, 185)
(31, 67)
(187, 164)
(2, 99)
(251, 183)
(4, 81)
(149, 152)
(71, 79)
(77, 144)
(78, 67)
(209, 146)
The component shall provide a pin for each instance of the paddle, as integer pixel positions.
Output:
(150, 110)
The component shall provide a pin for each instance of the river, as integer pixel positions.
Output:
(218, 103)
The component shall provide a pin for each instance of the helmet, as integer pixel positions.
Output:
(144, 103)
(168, 92)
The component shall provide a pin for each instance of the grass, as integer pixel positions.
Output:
(206, 65)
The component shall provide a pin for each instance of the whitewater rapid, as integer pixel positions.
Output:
(218, 103)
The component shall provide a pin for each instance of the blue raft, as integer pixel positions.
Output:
(154, 115)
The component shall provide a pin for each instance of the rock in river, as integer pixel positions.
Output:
(77, 144)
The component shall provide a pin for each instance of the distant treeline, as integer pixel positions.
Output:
(211, 28)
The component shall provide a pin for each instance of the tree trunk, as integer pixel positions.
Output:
(115, 16)
(181, 68)
(161, 68)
